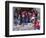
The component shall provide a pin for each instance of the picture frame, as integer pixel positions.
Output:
(10, 16)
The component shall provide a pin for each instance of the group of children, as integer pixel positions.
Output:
(25, 16)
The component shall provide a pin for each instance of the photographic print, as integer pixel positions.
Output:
(24, 18)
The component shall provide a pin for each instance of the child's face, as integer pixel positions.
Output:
(29, 13)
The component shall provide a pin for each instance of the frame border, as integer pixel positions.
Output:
(7, 18)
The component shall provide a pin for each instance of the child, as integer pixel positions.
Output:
(37, 24)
